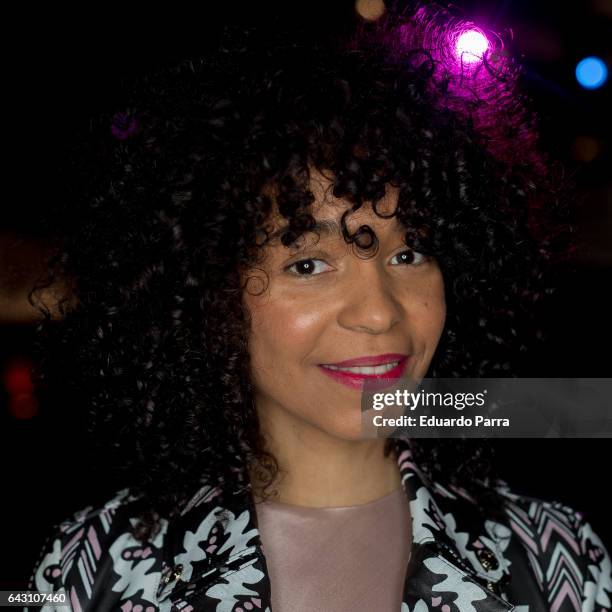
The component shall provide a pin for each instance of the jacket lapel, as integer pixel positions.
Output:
(457, 561)
(213, 558)
(211, 551)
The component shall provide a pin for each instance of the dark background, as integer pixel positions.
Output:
(68, 66)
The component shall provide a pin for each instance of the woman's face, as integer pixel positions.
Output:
(323, 304)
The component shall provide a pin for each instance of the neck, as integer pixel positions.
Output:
(319, 470)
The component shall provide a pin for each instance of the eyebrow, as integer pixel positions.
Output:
(330, 227)
(323, 227)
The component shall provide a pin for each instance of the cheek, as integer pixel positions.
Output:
(438, 310)
(284, 331)
(436, 323)
(429, 310)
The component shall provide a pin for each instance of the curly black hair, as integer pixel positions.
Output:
(169, 200)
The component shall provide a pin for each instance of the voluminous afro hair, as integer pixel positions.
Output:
(168, 198)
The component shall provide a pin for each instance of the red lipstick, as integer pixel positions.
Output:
(369, 360)
(355, 380)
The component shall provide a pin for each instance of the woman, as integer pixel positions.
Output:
(273, 225)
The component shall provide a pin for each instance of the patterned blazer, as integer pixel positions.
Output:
(210, 557)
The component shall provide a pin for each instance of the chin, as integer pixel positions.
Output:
(347, 430)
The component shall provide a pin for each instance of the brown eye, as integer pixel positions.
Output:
(410, 257)
(303, 267)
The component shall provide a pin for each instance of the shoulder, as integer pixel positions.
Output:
(74, 559)
(561, 546)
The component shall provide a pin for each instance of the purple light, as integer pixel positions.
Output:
(123, 126)
(471, 46)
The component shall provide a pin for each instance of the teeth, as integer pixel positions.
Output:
(371, 370)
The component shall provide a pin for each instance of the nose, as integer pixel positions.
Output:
(370, 304)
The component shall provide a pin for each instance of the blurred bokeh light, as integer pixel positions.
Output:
(591, 72)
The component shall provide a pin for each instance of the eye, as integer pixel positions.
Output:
(411, 257)
(304, 267)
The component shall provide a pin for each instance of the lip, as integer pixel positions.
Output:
(356, 381)
(369, 360)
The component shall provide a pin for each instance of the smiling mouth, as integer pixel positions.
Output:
(355, 376)
(366, 370)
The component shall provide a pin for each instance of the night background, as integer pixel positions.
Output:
(66, 67)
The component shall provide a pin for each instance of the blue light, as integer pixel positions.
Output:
(591, 72)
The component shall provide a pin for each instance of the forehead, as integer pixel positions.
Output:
(327, 210)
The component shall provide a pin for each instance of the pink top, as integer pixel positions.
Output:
(337, 559)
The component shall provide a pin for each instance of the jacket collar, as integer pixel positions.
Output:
(458, 550)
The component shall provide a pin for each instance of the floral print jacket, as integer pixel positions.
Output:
(210, 557)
